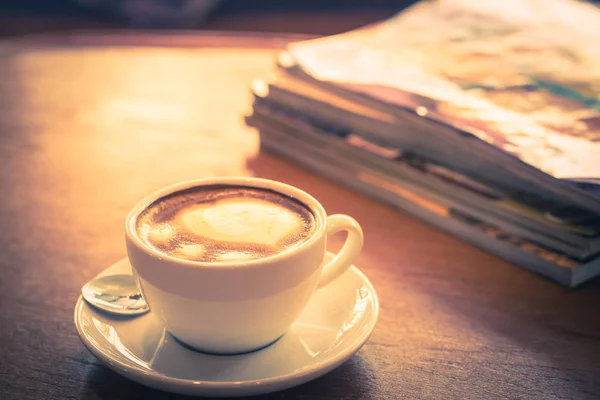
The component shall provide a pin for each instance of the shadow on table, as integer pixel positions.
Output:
(352, 379)
(540, 335)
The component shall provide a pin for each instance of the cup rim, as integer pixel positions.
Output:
(298, 194)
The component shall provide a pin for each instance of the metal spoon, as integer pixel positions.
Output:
(115, 294)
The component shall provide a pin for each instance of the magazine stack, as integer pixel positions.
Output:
(481, 118)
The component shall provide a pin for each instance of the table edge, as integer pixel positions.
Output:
(155, 38)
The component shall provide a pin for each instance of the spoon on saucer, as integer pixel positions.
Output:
(115, 294)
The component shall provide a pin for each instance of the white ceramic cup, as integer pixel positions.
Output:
(236, 307)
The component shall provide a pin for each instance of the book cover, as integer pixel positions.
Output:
(520, 75)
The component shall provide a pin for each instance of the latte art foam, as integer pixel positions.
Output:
(225, 223)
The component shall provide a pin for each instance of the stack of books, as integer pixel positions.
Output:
(480, 117)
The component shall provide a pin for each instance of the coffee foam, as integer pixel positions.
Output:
(225, 224)
(250, 221)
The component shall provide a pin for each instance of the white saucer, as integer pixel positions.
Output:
(336, 323)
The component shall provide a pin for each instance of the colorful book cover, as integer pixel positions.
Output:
(521, 75)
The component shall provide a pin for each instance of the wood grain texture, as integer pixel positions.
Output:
(85, 131)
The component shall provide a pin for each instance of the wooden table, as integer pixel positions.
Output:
(90, 123)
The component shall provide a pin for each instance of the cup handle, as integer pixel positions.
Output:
(350, 250)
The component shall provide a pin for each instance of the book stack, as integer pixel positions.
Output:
(481, 118)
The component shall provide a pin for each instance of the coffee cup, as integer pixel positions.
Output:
(228, 264)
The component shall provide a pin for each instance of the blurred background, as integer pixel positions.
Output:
(307, 16)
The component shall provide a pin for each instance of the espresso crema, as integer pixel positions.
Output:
(225, 223)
